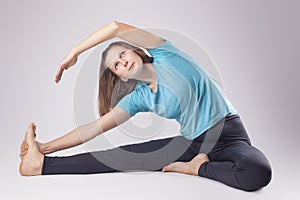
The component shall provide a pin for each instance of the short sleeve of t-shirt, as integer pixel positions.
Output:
(133, 102)
(164, 50)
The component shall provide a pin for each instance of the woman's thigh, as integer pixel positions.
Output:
(232, 135)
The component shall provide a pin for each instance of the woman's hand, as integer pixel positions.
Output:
(41, 149)
(65, 64)
(24, 148)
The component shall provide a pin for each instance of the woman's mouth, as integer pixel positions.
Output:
(131, 66)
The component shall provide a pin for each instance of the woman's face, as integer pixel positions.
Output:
(125, 63)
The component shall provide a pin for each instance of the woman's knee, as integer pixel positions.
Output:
(256, 174)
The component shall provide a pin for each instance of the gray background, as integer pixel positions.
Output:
(253, 43)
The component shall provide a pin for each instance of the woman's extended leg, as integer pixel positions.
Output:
(152, 155)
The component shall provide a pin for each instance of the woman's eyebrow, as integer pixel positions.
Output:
(121, 51)
(114, 60)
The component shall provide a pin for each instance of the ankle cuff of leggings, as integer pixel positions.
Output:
(202, 169)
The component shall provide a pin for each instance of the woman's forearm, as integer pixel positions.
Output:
(86, 132)
(76, 137)
(105, 33)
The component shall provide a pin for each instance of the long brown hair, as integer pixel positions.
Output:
(111, 88)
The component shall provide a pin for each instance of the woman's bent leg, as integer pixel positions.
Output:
(241, 166)
(152, 155)
(234, 161)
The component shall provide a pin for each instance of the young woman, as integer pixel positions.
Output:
(170, 84)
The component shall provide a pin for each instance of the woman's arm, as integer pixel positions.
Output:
(126, 32)
(86, 132)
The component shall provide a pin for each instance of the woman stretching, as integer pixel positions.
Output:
(213, 141)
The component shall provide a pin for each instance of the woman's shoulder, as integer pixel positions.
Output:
(164, 49)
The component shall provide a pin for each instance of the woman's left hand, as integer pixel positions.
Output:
(65, 64)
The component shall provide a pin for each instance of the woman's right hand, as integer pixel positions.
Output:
(24, 148)
(66, 63)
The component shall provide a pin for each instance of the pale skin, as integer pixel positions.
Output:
(125, 64)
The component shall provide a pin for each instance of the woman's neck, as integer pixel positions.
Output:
(149, 76)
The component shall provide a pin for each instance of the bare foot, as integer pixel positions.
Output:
(32, 162)
(190, 168)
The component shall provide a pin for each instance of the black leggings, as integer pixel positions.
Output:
(233, 160)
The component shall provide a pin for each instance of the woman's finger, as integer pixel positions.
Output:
(60, 70)
(24, 147)
(24, 143)
(59, 74)
(24, 150)
(23, 153)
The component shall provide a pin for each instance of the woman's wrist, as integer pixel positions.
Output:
(76, 51)
(45, 148)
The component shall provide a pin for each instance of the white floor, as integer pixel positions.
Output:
(138, 185)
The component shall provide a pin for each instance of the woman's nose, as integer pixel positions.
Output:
(123, 62)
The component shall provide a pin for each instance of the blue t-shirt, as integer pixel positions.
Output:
(185, 92)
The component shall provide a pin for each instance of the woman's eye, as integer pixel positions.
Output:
(116, 65)
(122, 54)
